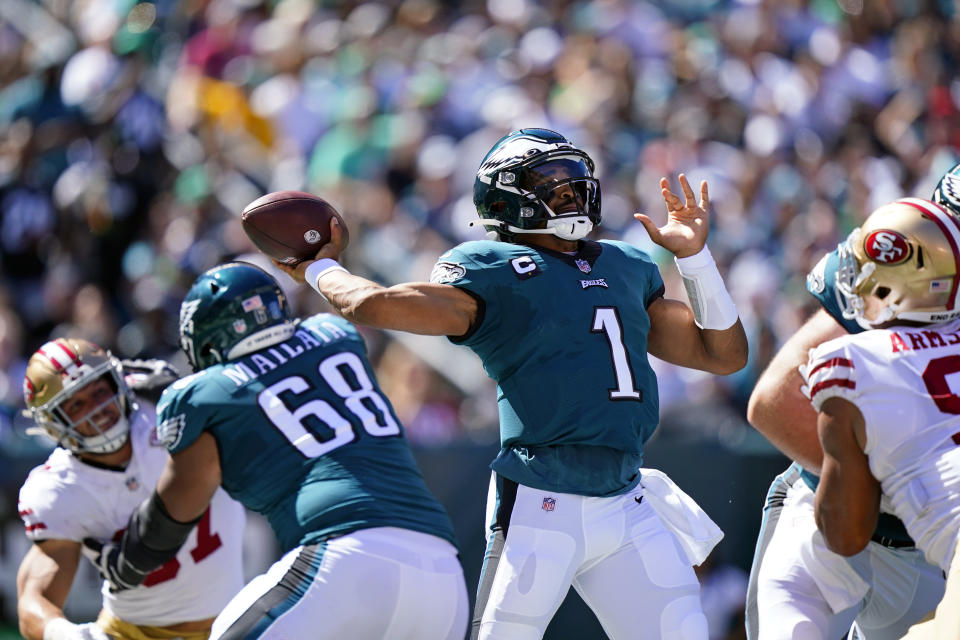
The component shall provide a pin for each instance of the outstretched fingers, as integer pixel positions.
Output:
(671, 199)
(687, 189)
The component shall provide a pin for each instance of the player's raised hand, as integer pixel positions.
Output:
(330, 250)
(688, 222)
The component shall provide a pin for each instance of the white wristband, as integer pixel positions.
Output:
(63, 629)
(59, 629)
(319, 269)
(712, 305)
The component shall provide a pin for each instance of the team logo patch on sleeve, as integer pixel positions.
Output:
(170, 431)
(447, 272)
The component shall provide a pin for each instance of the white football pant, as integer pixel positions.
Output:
(368, 585)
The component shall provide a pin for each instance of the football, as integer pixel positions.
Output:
(290, 226)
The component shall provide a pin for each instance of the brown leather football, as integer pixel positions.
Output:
(290, 226)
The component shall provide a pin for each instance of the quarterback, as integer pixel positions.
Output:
(564, 325)
(106, 464)
(795, 581)
(288, 417)
(887, 409)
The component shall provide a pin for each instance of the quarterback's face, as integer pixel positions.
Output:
(92, 407)
(562, 198)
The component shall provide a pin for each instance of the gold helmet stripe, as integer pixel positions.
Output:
(948, 225)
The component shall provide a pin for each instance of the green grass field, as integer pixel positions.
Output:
(9, 633)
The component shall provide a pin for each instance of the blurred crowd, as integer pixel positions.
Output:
(132, 135)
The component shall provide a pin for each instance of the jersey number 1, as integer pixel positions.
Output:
(607, 321)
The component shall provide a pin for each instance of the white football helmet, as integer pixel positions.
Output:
(902, 263)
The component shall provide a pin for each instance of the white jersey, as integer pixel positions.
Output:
(906, 383)
(70, 500)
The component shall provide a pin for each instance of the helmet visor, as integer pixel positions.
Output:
(565, 185)
(553, 171)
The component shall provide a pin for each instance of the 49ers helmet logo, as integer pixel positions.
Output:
(887, 247)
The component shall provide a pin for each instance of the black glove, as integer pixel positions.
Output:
(113, 568)
(148, 378)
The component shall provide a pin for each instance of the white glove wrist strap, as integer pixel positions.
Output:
(319, 269)
(712, 305)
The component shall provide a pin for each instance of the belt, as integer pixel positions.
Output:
(892, 533)
(893, 543)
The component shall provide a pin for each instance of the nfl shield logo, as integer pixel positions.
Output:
(239, 326)
(583, 265)
(549, 504)
(132, 484)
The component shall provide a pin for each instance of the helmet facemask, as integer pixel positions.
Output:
(535, 181)
(56, 374)
(566, 192)
(902, 264)
(947, 193)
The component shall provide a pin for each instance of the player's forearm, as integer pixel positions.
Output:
(777, 407)
(843, 516)
(726, 350)
(357, 299)
(833, 522)
(847, 503)
(786, 418)
(423, 308)
(33, 614)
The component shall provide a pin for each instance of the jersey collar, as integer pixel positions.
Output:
(589, 251)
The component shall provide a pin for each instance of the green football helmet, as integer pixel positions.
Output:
(536, 181)
(947, 193)
(232, 310)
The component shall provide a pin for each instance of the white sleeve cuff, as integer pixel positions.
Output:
(320, 268)
(712, 305)
(700, 259)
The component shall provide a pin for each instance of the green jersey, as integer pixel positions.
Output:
(565, 339)
(306, 437)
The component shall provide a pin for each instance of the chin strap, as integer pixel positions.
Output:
(572, 228)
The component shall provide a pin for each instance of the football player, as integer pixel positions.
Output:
(564, 325)
(795, 582)
(105, 465)
(889, 417)
(287, 416)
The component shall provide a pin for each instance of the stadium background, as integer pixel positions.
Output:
(133, 133)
